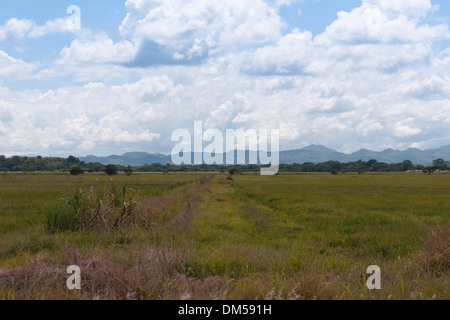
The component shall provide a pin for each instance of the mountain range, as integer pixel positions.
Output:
(312, 153)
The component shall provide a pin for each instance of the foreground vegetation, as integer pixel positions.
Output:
(203, 236)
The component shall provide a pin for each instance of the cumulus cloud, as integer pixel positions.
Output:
(402, 129)
(380, 35)
(290, 55)
(97, 49)
(16, 29)
(383, 22)
(59, 25)
(14, 69)
(177, 32)
(74, 118)
(412, 8)
(184, 31)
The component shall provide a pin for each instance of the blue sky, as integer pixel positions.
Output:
(345, 74)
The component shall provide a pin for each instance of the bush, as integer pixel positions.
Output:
(111, 170)
(128, 170)
(334, 172)
(76, 170)
(429, 170)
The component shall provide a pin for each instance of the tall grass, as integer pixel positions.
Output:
(87, 209)
(436, 251)
(62, 218)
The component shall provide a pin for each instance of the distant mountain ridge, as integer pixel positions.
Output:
(312, 153)
(316, 154)
(130, 158)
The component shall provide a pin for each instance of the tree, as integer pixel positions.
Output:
(128, 170)
(25, 169)
(334, 172)
(96, 167)
(439, 164)
(73, 160)
(111, 170)
(233, 171)
(76, 170)
(308, 167)
(408, 165)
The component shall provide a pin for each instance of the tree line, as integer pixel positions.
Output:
(76, 166)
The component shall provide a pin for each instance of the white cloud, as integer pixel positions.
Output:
(59, 25)
(14, 69)
(402, 130)
(372, 23)
(73, 118)
(199, 28)
(173, 33)
(368, 126)
(379, 35)
(15, 29)
(97, 50)
(412, 8)
(291, 54)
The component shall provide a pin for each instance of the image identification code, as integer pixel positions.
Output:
(226, 309)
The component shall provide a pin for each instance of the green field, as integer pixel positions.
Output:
(201, 236)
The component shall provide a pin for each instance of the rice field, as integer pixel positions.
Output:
(203, 236)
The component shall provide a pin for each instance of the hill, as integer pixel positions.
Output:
(312, 153)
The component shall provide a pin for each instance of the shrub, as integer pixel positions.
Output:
(429, 170)
(111, 170)
(76, 170)
(128, 170)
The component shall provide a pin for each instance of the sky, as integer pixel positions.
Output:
(120, 76)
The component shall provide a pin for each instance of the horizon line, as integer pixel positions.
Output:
(246, 150)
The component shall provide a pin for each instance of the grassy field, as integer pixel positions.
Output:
(200, 236)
